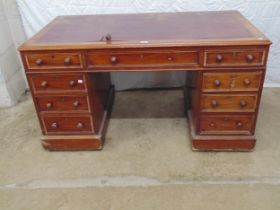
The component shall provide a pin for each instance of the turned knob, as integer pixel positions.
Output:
(49, 105)
(243, 103)
(239, 124)
(212, 124)
(76, 103)
(246, 81)
(170, 58)
(39, 61)
(80, 125)
(217, 83)
(54, 125)
(219, 58)
(72, 83)
(114, 60)
(214, 103)
(108, 37)
(67, 61)
(44, 84)
(249, 58)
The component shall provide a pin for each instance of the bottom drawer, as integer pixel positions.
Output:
(226, 124)
(67, 124)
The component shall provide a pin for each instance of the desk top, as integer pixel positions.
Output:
(147, 30)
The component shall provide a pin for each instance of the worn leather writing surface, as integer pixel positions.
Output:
(149, 27)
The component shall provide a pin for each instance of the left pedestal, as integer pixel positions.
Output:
(72, 108)
(82, 142)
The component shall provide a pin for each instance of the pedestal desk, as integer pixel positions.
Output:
(68, 65)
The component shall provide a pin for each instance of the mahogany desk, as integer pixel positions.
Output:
(68, 64)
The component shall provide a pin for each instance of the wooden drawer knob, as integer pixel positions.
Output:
(217, 83)
(212, 124)
(108, 37)
(72, 83)
(246, 81)
(76, 103)
(44, 84)
(170, 58)
(80, 125)
(219, 58)
(249, 58)
(214, 103)
(49, 105)
(39, 61)
(54, 125)
(67, 61)
(239, 124)
(114, 59)
(243, 103)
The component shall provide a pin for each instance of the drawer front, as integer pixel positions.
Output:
(62, 103)
(56, 83)
(53, 60)
(130, 59)
(226, 124)
(243, 81)
(228, 103)
(234, 58)
(67, 124)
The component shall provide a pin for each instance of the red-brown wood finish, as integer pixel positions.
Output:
(228, 102)
(55, 83)
(53, 60)
(135, 59)
(63, 103)
(231, 82)
(226, 124)
(234, 57)
(68, 65)
(67, 124)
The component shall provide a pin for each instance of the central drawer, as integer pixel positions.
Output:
(67, 124)
(228, 103)
(135, 59)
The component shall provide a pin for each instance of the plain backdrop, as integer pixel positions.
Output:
(264, 14)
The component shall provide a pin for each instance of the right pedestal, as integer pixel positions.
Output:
(223, 108)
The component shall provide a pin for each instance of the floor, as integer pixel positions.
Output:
(147, 162)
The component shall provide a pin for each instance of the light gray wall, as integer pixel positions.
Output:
(12, 79)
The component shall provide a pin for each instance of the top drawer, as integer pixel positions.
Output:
(136, 59)
(234, 57)
(53, 60)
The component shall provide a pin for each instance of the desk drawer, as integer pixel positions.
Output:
(57, 83)
(53, 60)
(242, 81)
(228, 103)
(67, 124)
(234, 58)
(62, 103)
(226, 124)
(135, 58)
